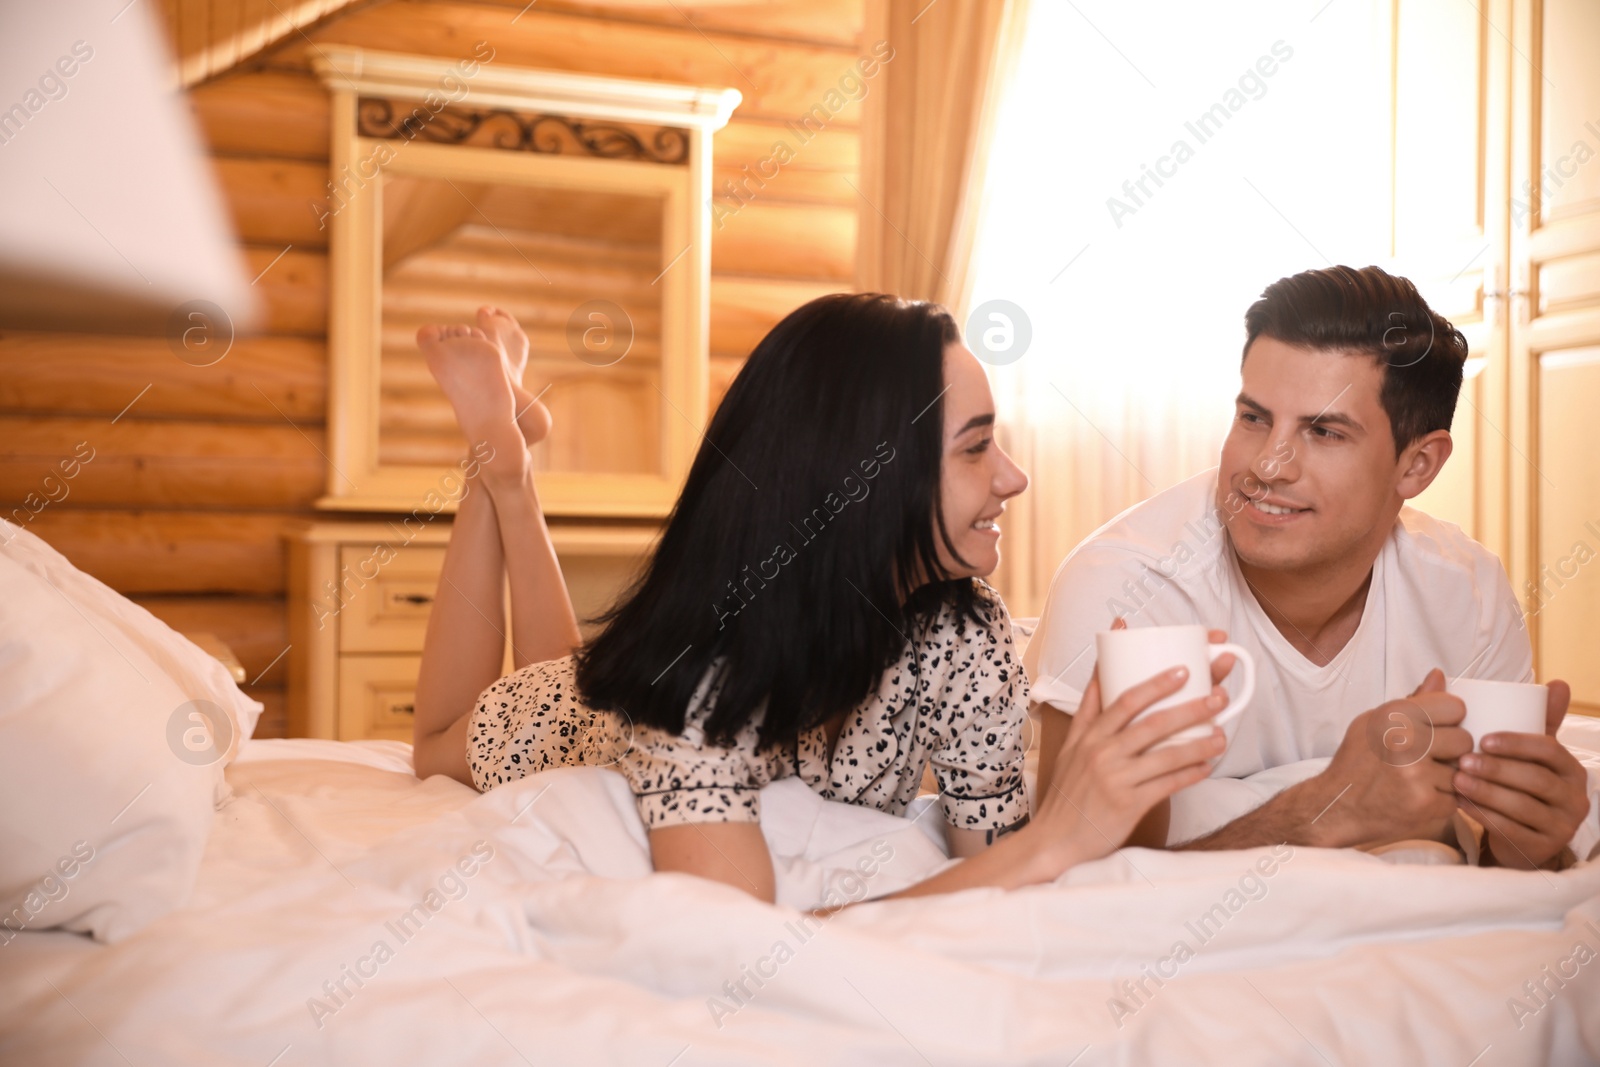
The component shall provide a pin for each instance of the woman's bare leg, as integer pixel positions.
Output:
(543, 623)
(464, 646)
(499, 534)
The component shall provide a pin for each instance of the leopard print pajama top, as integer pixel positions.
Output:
(955, 699)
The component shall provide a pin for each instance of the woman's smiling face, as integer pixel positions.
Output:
(975, 474)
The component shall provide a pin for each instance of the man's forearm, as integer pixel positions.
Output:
(1294, 816)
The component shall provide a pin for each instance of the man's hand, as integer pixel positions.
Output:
(1529, 792)
(1393, 775)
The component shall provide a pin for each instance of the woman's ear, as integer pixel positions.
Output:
(1422, 461)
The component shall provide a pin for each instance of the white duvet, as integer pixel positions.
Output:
(348, 914)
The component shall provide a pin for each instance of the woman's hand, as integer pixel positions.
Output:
(1108, 775)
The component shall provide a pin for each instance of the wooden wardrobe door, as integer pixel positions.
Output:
(1555, 338)
(1450, 89)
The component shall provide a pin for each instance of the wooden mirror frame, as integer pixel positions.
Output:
(357, 481)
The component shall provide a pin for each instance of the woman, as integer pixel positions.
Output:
(814, 607)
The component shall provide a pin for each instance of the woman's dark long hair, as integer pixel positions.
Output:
(810, 505)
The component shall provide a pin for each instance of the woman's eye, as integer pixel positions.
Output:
(981, 446)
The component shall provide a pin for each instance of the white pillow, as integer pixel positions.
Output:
(114, 733)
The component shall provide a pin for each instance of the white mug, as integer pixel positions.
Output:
(1137, 654)
(1499, 707)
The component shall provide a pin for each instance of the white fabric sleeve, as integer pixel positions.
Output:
(1087, 594)
(1504, 651)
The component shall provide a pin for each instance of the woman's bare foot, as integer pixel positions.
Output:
(470, 369)
(532, 416)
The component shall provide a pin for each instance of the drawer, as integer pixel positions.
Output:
(386, 604)
(388, 612)
(376, 696)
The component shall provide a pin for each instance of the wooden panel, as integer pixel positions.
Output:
(212, 35)
(266, 379)
(256, 628)
(836, 22)
(777, 162)
(737, 182)
(274, 721)
(746, 140)
(1566, 284)
(170, 551)
(1566, 578)
(787, 241)
(147, 463)
(1555, 361)
(778, 80)
(276, 202)
(1569, 123)
(188, 23)
(744, 309)
(276, 113)
(294, 289)
(1450, 220)
(1439, 128)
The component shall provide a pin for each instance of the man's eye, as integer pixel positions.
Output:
(1250, 417)
(1327, 434)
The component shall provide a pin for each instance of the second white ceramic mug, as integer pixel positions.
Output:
(1500, 707)
(1128, 657)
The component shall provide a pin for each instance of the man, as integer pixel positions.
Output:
(1301, 547)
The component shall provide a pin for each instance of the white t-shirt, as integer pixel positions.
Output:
(1437, 599)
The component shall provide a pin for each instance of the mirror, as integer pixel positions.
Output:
(577, 204)
(576, 269)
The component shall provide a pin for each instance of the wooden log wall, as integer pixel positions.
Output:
(196, 470)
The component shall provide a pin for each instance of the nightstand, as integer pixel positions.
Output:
(359, 598)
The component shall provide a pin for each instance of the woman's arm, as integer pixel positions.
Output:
(963, 844)
(1111, 777)
(733, 853)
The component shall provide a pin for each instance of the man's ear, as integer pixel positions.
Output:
(1422, 461)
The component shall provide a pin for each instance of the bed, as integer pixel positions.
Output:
(342, 912)
(312, 938)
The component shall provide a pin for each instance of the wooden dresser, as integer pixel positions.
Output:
(360, 593)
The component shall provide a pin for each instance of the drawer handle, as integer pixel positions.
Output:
(403, 709)
(410, 598)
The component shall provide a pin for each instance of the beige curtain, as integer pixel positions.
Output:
(924, 140)
(924, 159)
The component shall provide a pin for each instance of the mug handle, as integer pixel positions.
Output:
(1248, 662)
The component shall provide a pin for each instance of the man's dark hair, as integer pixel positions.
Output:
(1374, 313)
(789, 595)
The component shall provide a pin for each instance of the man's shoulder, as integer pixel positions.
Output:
(1161, 560)
(1429, 543)
(1453, 595)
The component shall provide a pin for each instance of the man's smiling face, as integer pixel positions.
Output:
(1309, 474)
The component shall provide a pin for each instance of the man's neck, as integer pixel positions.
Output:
(1317, 612)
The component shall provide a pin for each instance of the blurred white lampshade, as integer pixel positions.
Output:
(108, 216)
